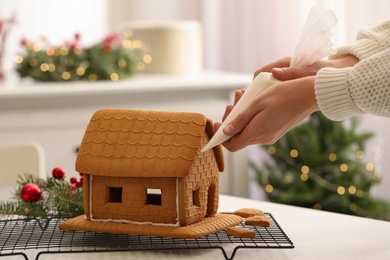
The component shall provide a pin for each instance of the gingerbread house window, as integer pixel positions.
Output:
(115, 195)
(153, 196)
(196, 197)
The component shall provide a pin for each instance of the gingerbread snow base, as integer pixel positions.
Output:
(202, 228)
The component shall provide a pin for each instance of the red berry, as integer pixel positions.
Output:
(77, 36)
(58, 173)
(106, 48)
(73, 46)
(81, 174)
(23, 42)
(79, 184)
(110, 38)
(71, 187)
(73, 180)
(31, 192)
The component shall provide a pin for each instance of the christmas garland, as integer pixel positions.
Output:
(115, 57)
(42, 198)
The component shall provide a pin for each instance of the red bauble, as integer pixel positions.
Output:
(58, 173)
(31, 192)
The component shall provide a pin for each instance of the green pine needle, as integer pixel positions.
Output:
(58, 200)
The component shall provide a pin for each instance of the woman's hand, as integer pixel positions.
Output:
(280, 69)
(271, 114)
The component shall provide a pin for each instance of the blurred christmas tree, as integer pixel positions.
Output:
(320, 165)
(115, 57)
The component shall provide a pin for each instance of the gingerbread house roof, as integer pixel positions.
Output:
(141, 143)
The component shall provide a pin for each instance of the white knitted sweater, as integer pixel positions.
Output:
(364, 88)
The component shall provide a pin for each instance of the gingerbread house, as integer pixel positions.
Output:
(146, 167)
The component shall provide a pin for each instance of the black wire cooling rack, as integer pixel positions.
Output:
(17, 236)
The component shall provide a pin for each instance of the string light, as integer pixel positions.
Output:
(64, 51)
(304, 177)
(114, 76)
(305, 169)
(137, 44)
(287, 179)
(317, 206)
(18, 59)
(80, 71)
(33, 62)
(353, 207)
(271, 150)
(352, 189)
(360, 193)
(269, 188)
(341, 190)
(37, 47)
(359, 154)
(65, 75)
(92, 77)
(140, 66)
(344, 167)
(294, 153)
(128, 33)
(50, 51)
(44, 67)
(122, 63)
(370, 167)
(127, 43)
(52, 67)
(332, 157)
(147, 59)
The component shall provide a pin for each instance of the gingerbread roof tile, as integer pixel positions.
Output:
(123, 142)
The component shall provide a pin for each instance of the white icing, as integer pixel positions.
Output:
(124, 221)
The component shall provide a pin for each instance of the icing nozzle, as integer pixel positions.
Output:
(216, 141)
(262, 81)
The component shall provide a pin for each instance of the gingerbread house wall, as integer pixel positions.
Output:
(199, 190)
(132, 204)
(198, 194)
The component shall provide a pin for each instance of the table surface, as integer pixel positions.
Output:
(315, 234)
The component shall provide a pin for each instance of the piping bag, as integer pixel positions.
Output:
(314, 44)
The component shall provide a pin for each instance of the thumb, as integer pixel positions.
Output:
(291, 73)
(236, 125)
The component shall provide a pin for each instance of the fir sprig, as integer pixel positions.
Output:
(115, 57)
(59, 199)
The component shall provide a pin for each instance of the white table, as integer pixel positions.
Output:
(315, 234)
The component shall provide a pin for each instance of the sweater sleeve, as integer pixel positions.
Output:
(362, 89)
(368, 42)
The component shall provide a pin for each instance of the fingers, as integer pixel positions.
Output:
(282, 63)
(217, 125)
(284, 74)
(237, 95)
(240, 121)
(228, 109)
